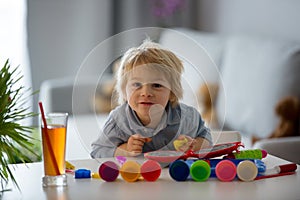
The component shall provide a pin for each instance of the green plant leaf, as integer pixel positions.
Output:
(15, 139)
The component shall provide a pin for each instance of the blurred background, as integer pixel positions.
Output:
(50, 39)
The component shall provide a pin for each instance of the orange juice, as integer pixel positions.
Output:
(57, 141)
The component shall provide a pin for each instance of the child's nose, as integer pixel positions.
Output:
(146, 90)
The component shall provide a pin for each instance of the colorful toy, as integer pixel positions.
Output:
(200, 170)
(150, 170)
(130, 170)
(69, 166)
(109, 171)
(196, 169)
(179, 143)
(247, 170)
(82, 173)
(248, 154)
(96, 175)
(224, 169)
(215, 151)
(281, 170)
(181, 170)
(228, 169)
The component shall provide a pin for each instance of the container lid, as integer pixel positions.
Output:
(179, 170)
(247, 170)
(109, 171)
(150, 170)
(130, 171)
(225, 170)
(200, 170)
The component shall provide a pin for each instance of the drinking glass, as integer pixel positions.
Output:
(54, 135)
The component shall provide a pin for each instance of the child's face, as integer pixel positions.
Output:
(147, 93)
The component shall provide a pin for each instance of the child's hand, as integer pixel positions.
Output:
(184, 143)
(135, 144)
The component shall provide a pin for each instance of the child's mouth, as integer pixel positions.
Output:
(146, 103)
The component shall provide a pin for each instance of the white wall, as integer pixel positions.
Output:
(279, 18)
(61, 33)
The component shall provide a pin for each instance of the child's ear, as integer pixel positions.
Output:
(172, 98)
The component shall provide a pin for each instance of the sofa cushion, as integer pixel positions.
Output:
(212, 43)
(257, 73)
(287, 148)
(201, 54)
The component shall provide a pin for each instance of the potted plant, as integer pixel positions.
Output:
(15, 140)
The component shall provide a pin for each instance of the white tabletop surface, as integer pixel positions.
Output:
(29, 178)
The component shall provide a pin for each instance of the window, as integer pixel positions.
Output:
(13, 37)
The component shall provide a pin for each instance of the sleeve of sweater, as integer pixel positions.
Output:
(109, 139)
(194, 125)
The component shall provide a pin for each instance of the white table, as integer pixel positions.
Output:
(29, 178)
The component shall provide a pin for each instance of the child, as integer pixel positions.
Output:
(150, 116)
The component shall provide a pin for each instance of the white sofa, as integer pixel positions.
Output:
(253, 73)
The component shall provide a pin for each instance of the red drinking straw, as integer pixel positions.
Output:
(48, 140)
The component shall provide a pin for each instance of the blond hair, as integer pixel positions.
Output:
(160, 59)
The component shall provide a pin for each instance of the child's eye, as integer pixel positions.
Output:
(157, 85)
(136, 85)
